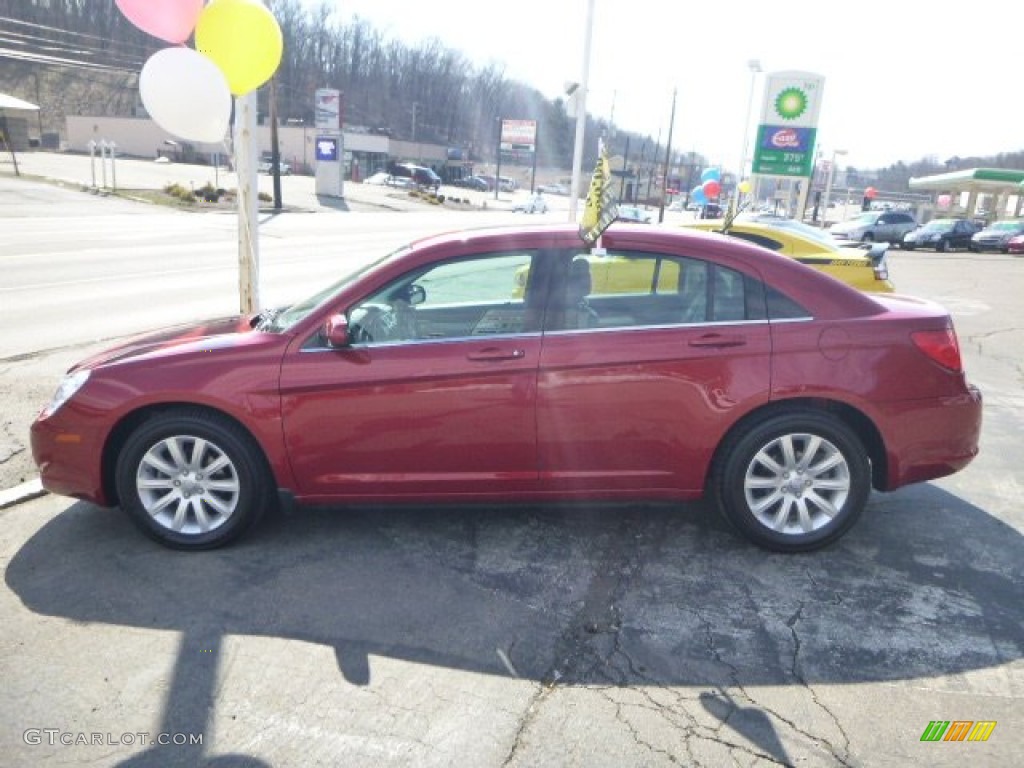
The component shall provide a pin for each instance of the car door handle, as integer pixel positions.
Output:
(497, 353)
(718, 340)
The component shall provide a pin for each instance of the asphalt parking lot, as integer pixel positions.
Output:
(596, 635)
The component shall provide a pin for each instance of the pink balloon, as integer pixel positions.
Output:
(170, 20)
(711, 188)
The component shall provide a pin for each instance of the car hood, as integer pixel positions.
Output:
(195, 337)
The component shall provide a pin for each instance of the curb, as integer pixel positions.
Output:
(19, 493)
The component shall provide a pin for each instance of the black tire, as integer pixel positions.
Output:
(868, 238)
(793, 518)
(942, 246)
(163, 487)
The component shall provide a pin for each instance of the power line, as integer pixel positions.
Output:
(41, 42)
(70, 33)
(35, 58)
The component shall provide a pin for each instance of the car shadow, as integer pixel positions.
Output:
(623, 595)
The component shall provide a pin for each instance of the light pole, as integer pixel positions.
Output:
(755, 66)
(828, 184)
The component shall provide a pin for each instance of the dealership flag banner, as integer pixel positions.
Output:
(788, 126)
(601, 207)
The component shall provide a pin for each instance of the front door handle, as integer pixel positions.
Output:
(718, 340)
(490, 354)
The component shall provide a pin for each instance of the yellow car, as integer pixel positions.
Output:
(863, 269)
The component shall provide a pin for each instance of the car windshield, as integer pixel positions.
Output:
(1007, 226)
(296, 313)
(939, 225)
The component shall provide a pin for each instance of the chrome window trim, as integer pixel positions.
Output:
(417, 342)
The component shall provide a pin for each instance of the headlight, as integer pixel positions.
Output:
(68, 386)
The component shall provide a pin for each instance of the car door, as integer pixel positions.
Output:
(964, 231)
(435, 395)
(639, 380)
(888, 226)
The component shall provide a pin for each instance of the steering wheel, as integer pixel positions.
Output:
(373, 323)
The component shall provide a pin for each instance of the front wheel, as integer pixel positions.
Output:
(793, 482)
(192, 480)
(943, 246)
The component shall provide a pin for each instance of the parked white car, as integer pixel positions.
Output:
(536, 204)
(634, 213)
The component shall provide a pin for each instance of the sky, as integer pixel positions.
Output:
(903, 80)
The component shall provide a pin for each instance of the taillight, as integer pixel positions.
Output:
(940, 346)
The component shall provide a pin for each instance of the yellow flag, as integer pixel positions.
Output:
(601, 207)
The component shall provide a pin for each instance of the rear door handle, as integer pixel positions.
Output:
(718, 340)
(496, 353)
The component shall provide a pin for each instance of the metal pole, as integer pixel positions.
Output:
(755, 67)
(828, 184)
(92, 161)
(581, 114)
(103, 161)
(275, 151)
(668, 158)
(248, 233)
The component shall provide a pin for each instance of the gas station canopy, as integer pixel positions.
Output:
(999, 182)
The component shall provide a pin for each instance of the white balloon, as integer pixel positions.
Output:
(186, 94)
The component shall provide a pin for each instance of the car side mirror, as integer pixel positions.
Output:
(336, 332)
(417, 294)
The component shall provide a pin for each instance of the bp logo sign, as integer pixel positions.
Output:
(791, 103)
(788, 126)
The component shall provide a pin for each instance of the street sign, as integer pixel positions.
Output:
(784, 151)
(327, 109)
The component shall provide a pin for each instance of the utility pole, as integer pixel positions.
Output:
(581, 115)
(668, 157)
(275, 152)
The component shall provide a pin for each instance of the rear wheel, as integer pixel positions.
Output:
(868, 238)
(793, 482)
(192, 480)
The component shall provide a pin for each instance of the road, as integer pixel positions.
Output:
(548, 635)
(99, 268)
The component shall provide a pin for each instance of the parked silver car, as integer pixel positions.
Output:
(875, 227)
(996, 236)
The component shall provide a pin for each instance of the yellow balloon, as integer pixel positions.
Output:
(744, 186)
(244, 39)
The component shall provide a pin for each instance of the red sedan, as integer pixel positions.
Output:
(1015, 244)
(431, 376)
